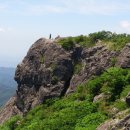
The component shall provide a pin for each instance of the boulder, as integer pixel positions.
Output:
(44, 73)
(99, 97)
(9, 110)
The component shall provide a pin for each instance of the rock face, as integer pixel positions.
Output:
(48, 71)
(44, 73)
(124, 57)
(9, 110)
(128, 99)
(120, 122)
(94, 61)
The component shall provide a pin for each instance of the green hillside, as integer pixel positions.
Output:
(78, 111)
(93, 102)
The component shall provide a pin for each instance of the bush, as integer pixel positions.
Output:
(114, 79)
(111, 82)
(10, 124)
(91, 121)
(125, 91)
(120, 105)
(112, 40)
(67, 43)
(77, 68)
(113, 61)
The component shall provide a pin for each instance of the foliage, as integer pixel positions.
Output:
(61, 114)
(114, 83)
(114, 80)
(42, 59)
(67, 43)
(11, 124)
(70, 42)
(58, 114)
(112, 40)
(78, 111)
(91, 121)
(77, 68)
(120, 105)
(113, 61)
(125, 91)
(110, 82)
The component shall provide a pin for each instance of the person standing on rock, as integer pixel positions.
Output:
(50, 36)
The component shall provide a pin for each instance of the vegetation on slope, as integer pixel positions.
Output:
(112, 40)
(78, 111)
(84, 109)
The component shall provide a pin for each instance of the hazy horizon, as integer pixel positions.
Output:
(23, 22)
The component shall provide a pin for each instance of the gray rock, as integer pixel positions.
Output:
(95, 60)
(128, 99)
(123, 59)
(99, 97)
(121, 121)
(40, 74)
(9, 110)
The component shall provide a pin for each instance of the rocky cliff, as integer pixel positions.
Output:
(49, 71)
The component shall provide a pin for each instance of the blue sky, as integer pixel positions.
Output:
(22, 22)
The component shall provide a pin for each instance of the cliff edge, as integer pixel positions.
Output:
(49, 70)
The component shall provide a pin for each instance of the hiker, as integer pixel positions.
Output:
(50, 36)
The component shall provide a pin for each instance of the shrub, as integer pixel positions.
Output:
(120, 105)
(42, 59)
(77, 68)
(10, 124)
(91, 121)
(112, 40)
(114, 79)
(94, 86)
(125, 91)
(67, 43)
(113, 61)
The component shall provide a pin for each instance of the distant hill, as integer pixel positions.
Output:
(7, 84)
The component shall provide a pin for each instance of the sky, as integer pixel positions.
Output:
(22, 22)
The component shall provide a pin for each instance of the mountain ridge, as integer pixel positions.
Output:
(90, 68)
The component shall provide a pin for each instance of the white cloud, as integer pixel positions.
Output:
(2, 29)
(44, 9)
(7, 29)
(100, 7)
(125, 26)
(3, 7)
